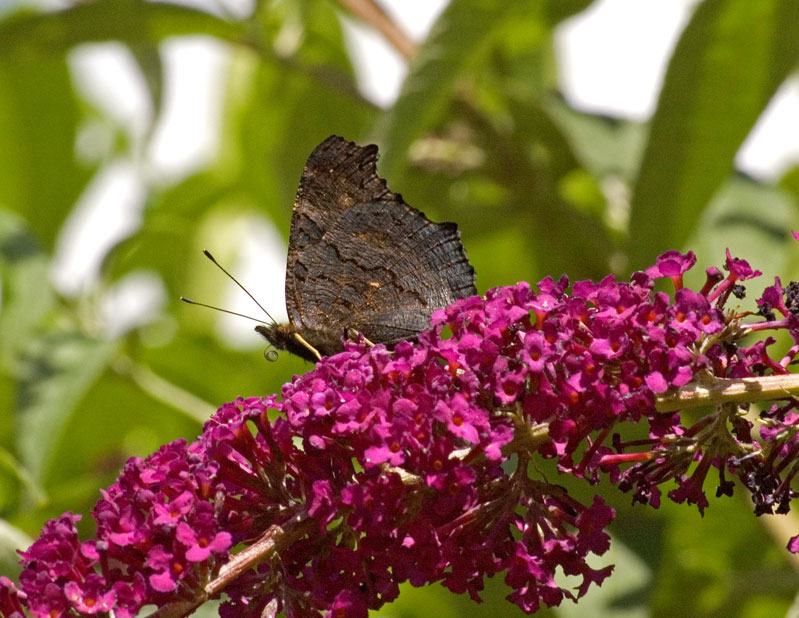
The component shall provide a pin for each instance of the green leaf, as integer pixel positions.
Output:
(26, 299)
(16, 474)
(276, 146)
(558, 10)
(117, 419)
(318, 96)
(26, 293)
(460, 37)
(151, 66)
(547, 164)
(133, 22)
(11, 539)
(165, 242)
(620, 596)
(200, 365)
(39, 114)
(790, 181)
(729, 62)
(724, 564)
(58, 370)
(605, 146)
(752, 220)
(39, 177)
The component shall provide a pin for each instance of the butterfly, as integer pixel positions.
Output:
(361, 260)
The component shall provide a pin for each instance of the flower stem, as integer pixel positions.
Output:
(717, 391)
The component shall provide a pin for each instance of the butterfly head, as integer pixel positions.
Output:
(281, 336)
(286, 337)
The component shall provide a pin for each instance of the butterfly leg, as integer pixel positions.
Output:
(307, 345)
(352, 334)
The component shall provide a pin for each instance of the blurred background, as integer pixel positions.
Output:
(563, 136)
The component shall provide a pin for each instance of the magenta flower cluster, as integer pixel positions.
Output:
(157, 538)
(412, 465)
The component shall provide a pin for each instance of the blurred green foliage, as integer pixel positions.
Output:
(479, 135)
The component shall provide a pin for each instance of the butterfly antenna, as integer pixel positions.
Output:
(207, 254)
(241, 315)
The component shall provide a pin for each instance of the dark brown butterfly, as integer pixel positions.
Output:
(360, 259)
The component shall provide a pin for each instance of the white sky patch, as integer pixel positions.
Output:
(107, 211)
(261, 269)
(415, 17)
(612, 57)
(379, 68)
(187, 135)
(136, 299)
(107, 75)
(773, 145)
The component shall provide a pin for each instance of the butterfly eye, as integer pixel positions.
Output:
(270, 354)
